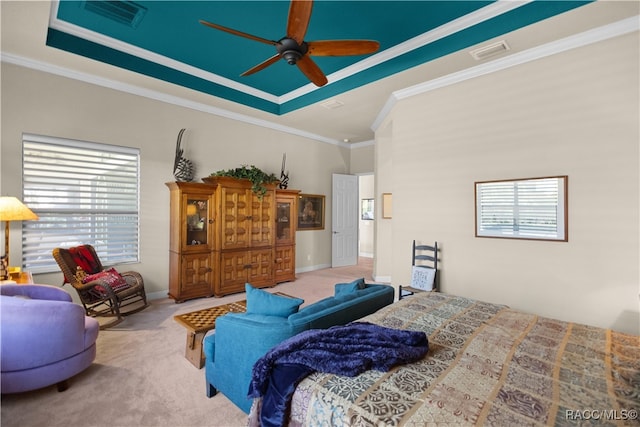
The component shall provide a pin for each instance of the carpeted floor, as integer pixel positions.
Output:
(140, 376)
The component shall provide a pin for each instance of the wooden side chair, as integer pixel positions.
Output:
(424, 270)
(103, 292)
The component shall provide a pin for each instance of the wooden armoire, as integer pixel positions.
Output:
(223, 235)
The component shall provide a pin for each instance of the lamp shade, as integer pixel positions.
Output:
(12, 209)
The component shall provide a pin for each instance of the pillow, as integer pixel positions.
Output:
(422, 278)
(346, 288)
(111, 277)
(262, 302)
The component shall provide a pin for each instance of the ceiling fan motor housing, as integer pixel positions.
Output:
(290, 50)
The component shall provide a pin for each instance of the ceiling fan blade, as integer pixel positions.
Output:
(238, 33)
(298, 21)
(342, 47)
(312, 71)
(262, 65)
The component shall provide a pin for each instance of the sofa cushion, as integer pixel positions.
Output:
(314, 308)
(345, 288)
(262, 302)
(323, 307)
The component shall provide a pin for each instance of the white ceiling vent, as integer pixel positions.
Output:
(332, 104)
(489, 50)
(124, 12)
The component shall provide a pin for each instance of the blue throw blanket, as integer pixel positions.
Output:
(342, 350)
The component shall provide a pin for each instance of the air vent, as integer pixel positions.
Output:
(124, 12)
(332, 104)
(489, 50)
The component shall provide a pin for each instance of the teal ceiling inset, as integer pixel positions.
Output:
(164, 40)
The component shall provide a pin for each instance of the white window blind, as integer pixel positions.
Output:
(526, 208)
(84, 193)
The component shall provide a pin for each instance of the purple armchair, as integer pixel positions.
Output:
(46, 338)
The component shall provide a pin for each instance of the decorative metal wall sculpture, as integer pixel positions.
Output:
(284, 176)
(183, 169)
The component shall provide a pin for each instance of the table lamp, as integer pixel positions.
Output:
(12, 209)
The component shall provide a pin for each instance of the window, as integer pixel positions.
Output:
(84, 193)
(522, 209)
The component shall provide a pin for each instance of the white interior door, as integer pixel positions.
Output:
(344, 220)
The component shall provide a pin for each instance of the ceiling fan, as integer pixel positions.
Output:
(293, 49)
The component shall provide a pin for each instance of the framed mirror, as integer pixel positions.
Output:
(366, 209)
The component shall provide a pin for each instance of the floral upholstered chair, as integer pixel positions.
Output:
(103, 292)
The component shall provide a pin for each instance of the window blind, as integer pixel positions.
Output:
(531, 208)
(84, 193)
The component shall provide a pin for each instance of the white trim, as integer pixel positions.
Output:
(159, 96)
(112, 43)
(382, 279)
(488, 12)
(312, 268)
(363, 144)
(157, 295)
(585, 38)
(452, 27)
(602, 33)
(384, 112)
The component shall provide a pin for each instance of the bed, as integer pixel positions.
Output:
(487, 364)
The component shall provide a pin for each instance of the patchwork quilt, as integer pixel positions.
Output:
(487, 365)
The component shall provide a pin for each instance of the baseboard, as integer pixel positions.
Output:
(157, 295)
(382, 279)
(312, 268)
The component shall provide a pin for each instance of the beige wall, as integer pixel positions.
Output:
(362, 158)
(40, 103)
(384, 182)
(576, 114)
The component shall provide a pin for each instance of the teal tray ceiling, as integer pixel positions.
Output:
(164, 40)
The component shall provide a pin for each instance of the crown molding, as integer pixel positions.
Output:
(488, 12)
(452, 27)
(592, 36)
(362, 144)
(585, 38)
(159, 96)
(135, 51)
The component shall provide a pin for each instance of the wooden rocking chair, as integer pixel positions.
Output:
(102, 292)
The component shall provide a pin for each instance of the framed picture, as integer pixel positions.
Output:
(366, 209)
(386, 205)
(311, 212)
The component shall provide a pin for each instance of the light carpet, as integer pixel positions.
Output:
(140, 376)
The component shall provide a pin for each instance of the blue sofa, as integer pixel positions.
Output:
(240, 339)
